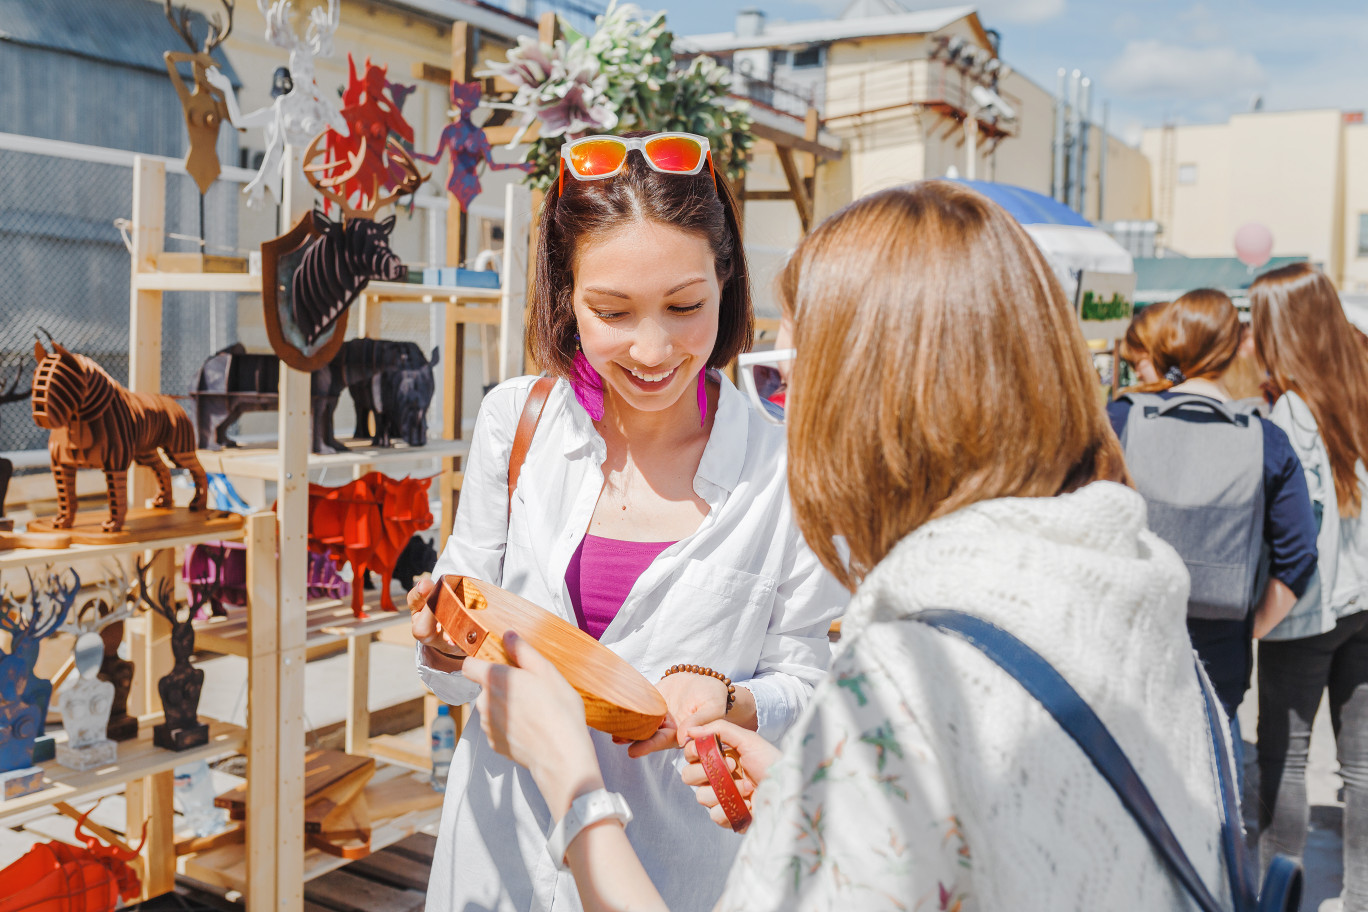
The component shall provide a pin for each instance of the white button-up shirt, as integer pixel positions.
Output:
(742, 595)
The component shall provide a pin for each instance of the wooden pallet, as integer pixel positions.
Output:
(392, 880)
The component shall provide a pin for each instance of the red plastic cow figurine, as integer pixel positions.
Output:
(368, 522)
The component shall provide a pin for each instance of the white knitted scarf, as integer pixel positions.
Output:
(1081, 580)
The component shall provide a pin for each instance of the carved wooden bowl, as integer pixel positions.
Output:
(617, 698)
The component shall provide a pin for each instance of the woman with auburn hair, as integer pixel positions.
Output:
(1318, 369)
(946, 450)
(1136, 344)
(1222, 485)
(650, 510)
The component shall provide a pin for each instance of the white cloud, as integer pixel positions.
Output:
(1157, 69)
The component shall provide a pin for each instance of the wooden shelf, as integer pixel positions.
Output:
(380, 291)
(264, 462)
(401, 800)
(328, 621)
(137, 759)
(28, 557)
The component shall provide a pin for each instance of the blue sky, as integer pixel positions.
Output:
(1184, 61)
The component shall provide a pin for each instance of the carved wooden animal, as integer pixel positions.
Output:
(397, 400)
(97, 424)
(336, 267)
(203, 104)
(368, 522)
(233, 382)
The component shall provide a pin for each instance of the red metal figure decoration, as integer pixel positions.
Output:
(369, 160)
(56, 877)
(467, 146)
(368, 521)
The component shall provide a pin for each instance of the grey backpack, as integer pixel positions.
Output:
(1202, 480)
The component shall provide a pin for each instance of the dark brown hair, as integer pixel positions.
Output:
(1199, 334)
(1309, 347)
(939, 365)
(1139, 341)
(697, 204)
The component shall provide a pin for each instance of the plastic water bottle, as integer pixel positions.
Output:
(194, 790)
(443, 746)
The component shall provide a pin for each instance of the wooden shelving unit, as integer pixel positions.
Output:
(137, 759)
(278, 626)
(264, 462)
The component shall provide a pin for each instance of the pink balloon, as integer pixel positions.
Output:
(1253, 244)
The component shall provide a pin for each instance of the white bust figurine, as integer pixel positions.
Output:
(85, 705)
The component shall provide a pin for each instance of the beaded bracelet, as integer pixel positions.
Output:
(708, 672)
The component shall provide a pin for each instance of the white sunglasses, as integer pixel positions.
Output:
(764, 375)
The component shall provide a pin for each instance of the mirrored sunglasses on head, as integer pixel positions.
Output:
(764, 377)
(599, 157)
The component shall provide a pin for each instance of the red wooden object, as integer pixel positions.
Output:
(368, 522)
(56, 877)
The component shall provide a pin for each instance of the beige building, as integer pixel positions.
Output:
(897, 88)
(1303, 174)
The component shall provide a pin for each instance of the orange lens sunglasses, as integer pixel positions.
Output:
(592, 158)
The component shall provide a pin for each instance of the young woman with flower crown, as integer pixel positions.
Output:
(651, 510)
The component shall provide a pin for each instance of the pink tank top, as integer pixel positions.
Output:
(602, 574)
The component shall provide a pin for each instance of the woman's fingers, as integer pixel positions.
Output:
(693, 773)
(417, 596)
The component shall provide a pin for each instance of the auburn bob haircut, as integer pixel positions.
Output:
(588, 210)
(1309, 347)
(938, 365)
(1199, 334)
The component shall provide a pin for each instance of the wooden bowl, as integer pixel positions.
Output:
(617, 698)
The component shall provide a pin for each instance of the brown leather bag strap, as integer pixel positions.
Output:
(527, 427)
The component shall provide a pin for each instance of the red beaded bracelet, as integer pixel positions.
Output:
(705, 670)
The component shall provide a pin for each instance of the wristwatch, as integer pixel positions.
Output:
(586, 810)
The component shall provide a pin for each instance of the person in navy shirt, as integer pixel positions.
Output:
(1197, 344)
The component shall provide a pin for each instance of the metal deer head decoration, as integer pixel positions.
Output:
(24, 697)
(180, 688)
(203, 103)
(301, 113)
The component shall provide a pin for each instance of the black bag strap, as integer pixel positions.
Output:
(1039, 678)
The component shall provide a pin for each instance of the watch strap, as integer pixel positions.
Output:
(585, 811)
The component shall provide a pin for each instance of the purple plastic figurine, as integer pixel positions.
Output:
(467, 146)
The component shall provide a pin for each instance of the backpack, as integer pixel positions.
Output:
(1282, 885)
(1202, 481)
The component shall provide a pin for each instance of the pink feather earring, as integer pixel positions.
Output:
(703, 397)
(586, 383)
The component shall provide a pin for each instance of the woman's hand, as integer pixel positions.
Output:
(757, 756)
(690, 699)
(532, 716)
(442, 653)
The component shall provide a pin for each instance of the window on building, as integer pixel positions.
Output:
(1187, 174)
(1363, 234)
(779, 59)
(807, 57)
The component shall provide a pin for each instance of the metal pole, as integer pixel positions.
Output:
(971, 143)
(1084, 117)
(1102, 165)
(1057, 186)
(1071, 171)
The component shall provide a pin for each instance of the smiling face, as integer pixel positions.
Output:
(646, 300)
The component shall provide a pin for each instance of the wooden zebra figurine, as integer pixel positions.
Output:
(97, 424)
(337, 266)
